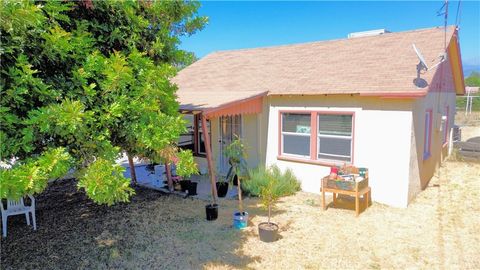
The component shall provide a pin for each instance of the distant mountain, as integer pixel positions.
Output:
(468, 69)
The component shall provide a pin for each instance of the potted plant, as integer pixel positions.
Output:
(270, 184)
(185, 167)
(236, 155)
(222, 186)
(185, 185)
(211, 209)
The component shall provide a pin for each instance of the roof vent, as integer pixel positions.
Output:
(368, 33)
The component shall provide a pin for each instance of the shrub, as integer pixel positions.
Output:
(286, 183)
(186, 165)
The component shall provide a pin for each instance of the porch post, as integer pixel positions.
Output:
(208, 151)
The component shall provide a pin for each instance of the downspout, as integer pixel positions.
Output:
(208, 151)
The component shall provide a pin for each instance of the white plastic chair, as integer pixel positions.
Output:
(17, 208)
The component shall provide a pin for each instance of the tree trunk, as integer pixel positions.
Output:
(168, 172)
(133, 175)
(240, 202)
(269, 212)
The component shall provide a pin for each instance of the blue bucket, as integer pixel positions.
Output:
(240, 221)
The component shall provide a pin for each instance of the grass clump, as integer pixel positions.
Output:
(285, 182)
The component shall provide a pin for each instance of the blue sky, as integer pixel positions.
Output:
(236, 25)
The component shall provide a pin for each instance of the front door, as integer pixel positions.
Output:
(230, 126)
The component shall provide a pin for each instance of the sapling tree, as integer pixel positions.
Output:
(82, 82)
(270, 185)
(236, 154)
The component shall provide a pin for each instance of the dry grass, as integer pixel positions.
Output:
(438, 230)
(472, 119)
(470, 124)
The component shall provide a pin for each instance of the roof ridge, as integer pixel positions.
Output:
(326, 41)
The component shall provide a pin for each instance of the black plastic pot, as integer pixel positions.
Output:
(235, 180)
(192, 188)
(151, 167)
(222, 189)
(268, 232)
(212, 211)
(184, 185)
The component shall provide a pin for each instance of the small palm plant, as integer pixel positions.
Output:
(270, 184)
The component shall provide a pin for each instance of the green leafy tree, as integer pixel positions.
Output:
(473, 79)
(83, 81)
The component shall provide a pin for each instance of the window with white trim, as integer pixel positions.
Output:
(296, 129)
(334, 137)
(428, 134)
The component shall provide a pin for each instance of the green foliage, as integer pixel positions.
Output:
(286, 182)
(473, 79)
(186, 166)
(32, 175)
(104, 182)
(92, 78)
(270, 184)
(236, 153)
(462, 103)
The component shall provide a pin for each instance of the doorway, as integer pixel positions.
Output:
(230, 127)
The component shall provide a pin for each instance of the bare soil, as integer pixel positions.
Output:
(439, 230)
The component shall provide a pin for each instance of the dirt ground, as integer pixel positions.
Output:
(470, 124)
(439, 230)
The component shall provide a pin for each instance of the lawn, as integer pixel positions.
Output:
(438, 230)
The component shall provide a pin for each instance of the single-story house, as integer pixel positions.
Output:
(367, 100)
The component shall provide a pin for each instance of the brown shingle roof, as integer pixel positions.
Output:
(365, 65)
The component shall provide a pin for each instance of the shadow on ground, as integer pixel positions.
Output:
(154, 230)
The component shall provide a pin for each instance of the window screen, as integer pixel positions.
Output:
(335, 137)
(296, 134)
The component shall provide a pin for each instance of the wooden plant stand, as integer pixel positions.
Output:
(355, 189)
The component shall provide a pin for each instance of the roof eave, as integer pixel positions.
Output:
(407, 94)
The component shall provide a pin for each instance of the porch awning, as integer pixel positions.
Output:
(213, 104)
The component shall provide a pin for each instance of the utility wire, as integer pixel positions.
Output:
(441, 12)
(446, 21)
(459, 13)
